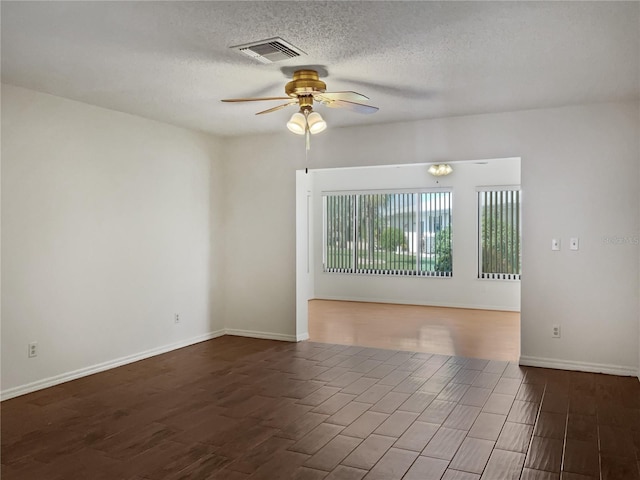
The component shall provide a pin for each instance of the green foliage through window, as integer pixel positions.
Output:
(499, 217)
(388, 234)
(444, 262)
(393, 239)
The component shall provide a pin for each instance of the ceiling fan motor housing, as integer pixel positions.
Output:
(305, 82)
(305, 88)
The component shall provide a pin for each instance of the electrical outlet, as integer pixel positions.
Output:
(555, 331)
(33, 349)
(177, 318)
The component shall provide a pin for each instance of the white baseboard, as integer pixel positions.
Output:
(418, 302)
(578, 366)
(83, 372)
(265, 335)
(301, 337)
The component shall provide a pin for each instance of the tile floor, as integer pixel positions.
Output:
(237, 408)
(420, 328)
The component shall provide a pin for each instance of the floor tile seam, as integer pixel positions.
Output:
(499, 433)
(353, 421)
(445, 418)
(316, 405)
(387, 451)
(535, 424)
(339, 463)
(564, 440)
(600, 449)
(360, 438)
(456, 453)
(414, 460)
(371, 468)
(295, 442)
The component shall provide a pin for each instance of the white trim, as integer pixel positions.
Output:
(578, 366)
(265, 335)
(118, 362)
(497, 188)
(469, 161)
(304, 247)
(387, 191)
(418, 302)
(100, 367)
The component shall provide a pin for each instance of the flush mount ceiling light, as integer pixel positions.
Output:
(440, 170)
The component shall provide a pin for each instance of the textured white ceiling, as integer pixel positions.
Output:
(171, 61)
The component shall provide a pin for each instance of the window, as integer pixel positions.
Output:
(397, 233)
(499, 233)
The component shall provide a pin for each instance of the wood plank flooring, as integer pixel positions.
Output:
(236, 408)
(449, 331)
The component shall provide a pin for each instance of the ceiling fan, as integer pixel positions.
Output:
(305, 88)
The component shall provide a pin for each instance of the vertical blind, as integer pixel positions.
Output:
(402, 233)
(500, 233)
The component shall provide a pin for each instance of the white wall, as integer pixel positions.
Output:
(260, 234)
(580, 177)
(464, 289)
(110, 225)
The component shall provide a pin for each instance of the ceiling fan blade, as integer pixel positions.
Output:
(254, 99)
(279, 107)
(353, 106)
(403, 91)
(348, 96)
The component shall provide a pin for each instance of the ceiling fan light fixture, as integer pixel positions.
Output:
(304, 88)
(440, 170)
(297, 124)
(316, 123)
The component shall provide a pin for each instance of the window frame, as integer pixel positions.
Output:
(494, 276)
(420, 218)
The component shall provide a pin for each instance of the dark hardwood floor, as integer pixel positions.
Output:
(237, 408)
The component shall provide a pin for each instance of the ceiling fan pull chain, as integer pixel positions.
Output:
(306, 154)
(307, 132)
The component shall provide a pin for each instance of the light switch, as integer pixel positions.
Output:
(574, 243)
(555, 244)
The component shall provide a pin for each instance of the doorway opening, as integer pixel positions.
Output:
(473, 310)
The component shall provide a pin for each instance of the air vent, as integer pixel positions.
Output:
(270, 51)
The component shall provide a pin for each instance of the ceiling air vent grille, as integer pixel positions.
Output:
(269, 51)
